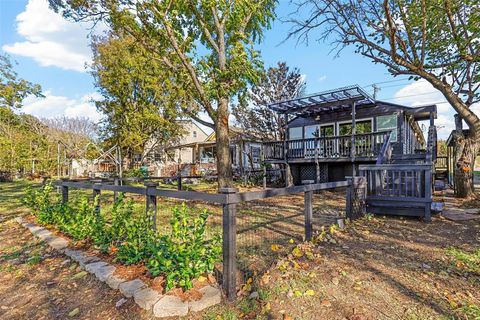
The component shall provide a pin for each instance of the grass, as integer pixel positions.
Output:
(467, 261)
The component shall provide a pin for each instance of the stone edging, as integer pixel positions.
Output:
(145, 297)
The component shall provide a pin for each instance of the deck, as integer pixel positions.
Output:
(367, 147)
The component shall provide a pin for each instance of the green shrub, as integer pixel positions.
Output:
(187, 252)
(181, 256)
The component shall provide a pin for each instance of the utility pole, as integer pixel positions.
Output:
(376, 89)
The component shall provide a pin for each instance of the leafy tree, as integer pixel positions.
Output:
(207, 45)
(436, 40)
(278, 84)
(12, 88)
(137, 94)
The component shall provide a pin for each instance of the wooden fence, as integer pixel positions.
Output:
(228, 198)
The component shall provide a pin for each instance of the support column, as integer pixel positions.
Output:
(354, 132)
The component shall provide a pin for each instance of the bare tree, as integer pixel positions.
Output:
(435, 40)
(278, 84)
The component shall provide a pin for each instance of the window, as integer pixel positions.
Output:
(137, 157)
(255, 154)
(311, 132)
(388, 123)
(363, 126)
(194, 134)
(157, 157)
(295, 133)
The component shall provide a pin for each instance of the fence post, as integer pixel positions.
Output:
(64, 192)
(428, 194)
(151, 201)
(116, 182)
(179, 181)
(229, 244)
(96, 194)
(348, 202)
(308, 210)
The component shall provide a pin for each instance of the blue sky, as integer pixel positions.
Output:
(52, 52)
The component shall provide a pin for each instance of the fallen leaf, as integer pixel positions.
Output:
(74, 312)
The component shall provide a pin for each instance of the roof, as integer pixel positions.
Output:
(343, 98)
(324, 101)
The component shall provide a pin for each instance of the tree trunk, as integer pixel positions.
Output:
(466, 151)
(224, 163)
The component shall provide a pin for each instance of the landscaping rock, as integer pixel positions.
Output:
(120, 303)
(129, 288)
(114, 281)
(44, 234)
(103, 273)
(95, 266)
(80, 257)
(57, 243)
(146, 298)
(211, 296)
(170, 306)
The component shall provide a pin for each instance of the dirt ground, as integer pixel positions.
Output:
(377, 268)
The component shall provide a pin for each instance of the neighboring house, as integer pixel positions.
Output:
(245, 151)
(164, 160)
(322, 128)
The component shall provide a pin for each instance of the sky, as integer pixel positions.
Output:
(54, 53)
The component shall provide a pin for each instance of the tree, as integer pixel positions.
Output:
(139, 101)
(436, 40)
(278, 84)
(12, 88)
(207, 45)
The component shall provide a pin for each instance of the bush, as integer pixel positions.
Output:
(187, 252)
(181, 256)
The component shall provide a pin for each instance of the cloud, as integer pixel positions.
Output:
(50, 39)
(56, 106)
(423, 93)
(322, 78)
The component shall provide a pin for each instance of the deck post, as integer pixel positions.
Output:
(151, 201)
(229, 244)
(179, 181)
(354, 132)
(428, 195)
(308, 210)
(96, 194)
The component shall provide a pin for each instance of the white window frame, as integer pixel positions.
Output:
(389, 129)
(356, 120)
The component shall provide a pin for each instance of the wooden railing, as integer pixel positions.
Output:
(441, 163)
(393, 187)
(366, 145)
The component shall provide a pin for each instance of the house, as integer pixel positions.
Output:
(164, 160)
(323, 127)
(245, 151)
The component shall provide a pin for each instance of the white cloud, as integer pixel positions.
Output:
(54, 106)
(423, 93)
(322, 78)
(50, 39)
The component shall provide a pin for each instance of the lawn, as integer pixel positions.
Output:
(377, 268)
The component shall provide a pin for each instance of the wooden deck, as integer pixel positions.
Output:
(367, 147)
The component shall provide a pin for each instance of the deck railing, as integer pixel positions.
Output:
(366, 145)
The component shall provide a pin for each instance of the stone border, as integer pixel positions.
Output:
(145, 297)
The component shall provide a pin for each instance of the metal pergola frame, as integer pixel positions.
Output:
(335, 99)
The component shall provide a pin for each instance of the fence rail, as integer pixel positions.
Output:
(228, 198)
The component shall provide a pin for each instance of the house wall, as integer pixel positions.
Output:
(363, 112)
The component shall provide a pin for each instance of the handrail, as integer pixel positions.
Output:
(386, 151)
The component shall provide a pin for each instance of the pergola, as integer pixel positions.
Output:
(342, 98)
(332, 100)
